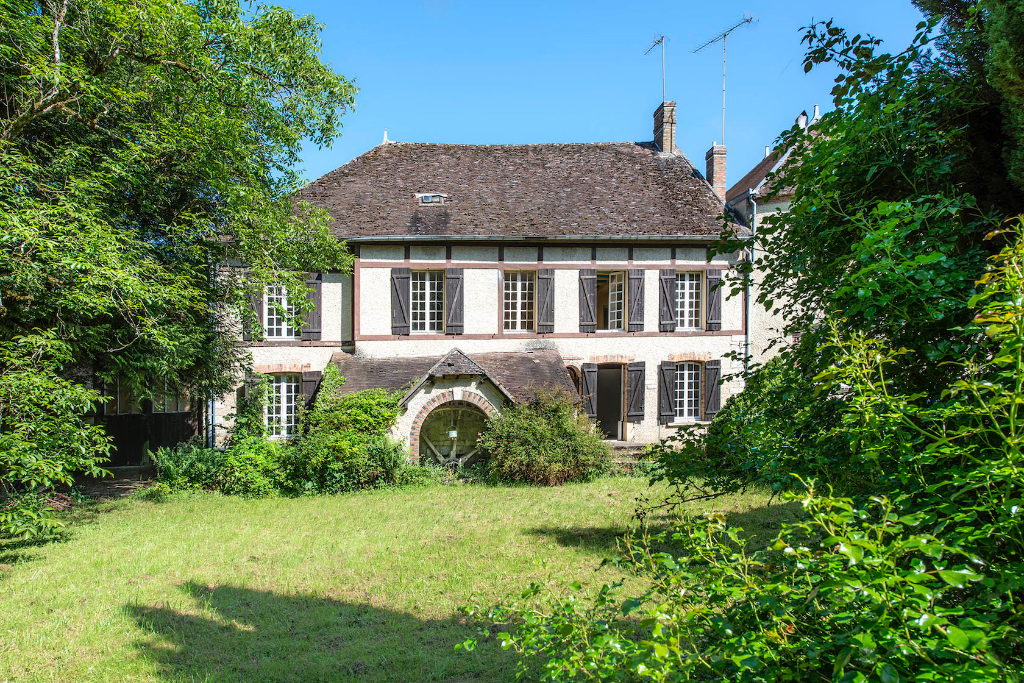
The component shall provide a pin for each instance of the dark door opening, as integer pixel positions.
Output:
(609, 400)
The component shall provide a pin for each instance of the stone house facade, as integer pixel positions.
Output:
(486, 273)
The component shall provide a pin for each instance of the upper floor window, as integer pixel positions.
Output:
(431, 198)
(275, 303)
(427, 300)
(281, 409)
(689, 287)
(611, 300)
(520, 299)
(688, 392)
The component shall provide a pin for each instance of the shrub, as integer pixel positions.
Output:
(188, 466)
(251, 467)
(547, 441)
(387, 456)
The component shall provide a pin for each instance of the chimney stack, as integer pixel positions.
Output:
(715, 164)
(817, 114)
(665, 127)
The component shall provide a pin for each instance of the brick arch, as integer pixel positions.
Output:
(468, 397)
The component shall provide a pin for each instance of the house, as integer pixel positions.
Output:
(486, 273)
(762, 192)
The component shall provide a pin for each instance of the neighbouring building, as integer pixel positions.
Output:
(484, 273)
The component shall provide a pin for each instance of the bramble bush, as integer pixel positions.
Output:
(547, 441)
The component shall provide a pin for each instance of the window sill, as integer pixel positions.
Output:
(688, 423)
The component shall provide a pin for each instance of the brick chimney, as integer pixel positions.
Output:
(715, 164)
(665, 127)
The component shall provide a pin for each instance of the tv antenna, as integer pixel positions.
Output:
(721, 37)
(659, 41)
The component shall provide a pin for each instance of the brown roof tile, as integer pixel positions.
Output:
(550, 190)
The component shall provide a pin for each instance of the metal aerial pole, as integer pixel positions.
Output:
(722, 37)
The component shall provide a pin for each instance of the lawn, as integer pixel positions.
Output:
(358, 587)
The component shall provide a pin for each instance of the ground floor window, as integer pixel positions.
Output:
(688, 392)
(281, 410)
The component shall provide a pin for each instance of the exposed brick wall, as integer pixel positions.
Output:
(275, 368)
(715, 165)
(468, 398)
(665, 127)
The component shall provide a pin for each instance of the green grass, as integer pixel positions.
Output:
(359, 587)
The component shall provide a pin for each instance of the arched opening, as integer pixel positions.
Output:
(449, 434)
(574, 377)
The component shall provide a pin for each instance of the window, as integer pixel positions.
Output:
(276, 310)
(611, 301)
(688, 392)
(431, 198)
(427, 301)
(280, 411)
(688, 300)
(520, 288)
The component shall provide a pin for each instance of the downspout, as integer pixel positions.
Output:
(751, 193)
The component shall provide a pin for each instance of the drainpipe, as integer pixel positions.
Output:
(751, 193)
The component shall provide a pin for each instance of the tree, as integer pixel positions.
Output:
(144, 144)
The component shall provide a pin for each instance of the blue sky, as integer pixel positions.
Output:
(557, 71)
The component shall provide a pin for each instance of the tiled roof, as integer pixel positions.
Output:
(522, 191)
(521, 374)
(757, 175)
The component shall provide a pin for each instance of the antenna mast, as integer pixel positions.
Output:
(721, 37)
(660, 41)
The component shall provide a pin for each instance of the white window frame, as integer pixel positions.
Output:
(275, 324)
(689, 300)
(617, 293)
(687, 399)
(281, 411)
(519, 289)
(426, 302)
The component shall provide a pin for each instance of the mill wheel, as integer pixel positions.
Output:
(449, 435)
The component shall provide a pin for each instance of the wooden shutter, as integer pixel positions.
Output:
(400, 293)
(311, 327)
(453, 301)
(588, 300)
(635, 389)
(666, 392)
(666, 300)
(546, 300)
(712, 389)
(636, 300)
(589, 377)
(256, 301)
(250, 382)
(714, 320)
(310, 381)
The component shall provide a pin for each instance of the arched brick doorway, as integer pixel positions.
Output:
(468, 400)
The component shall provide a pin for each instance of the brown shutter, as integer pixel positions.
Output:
(310, 381)
(666, 300)
(714, 321)
(400, 293)
(666, 392)
(453, 301)
(311, 327)
(256, 302)
(251, 380)
(588, 300)
(636, 300)
(546, 300)
(712, 389)
(589, 393)
(635, 389)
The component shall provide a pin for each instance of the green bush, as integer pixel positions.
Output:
(188, 466)
(547, 441)
(251, 467)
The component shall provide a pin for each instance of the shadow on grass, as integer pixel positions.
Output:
(256, 635)
(760, 526)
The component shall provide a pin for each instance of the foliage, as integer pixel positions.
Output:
(251, 467)
(371, 411)
(761, 437)
(141, 143)
(188, 466)
(922, 583)
(547, 441)
(45, 435)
